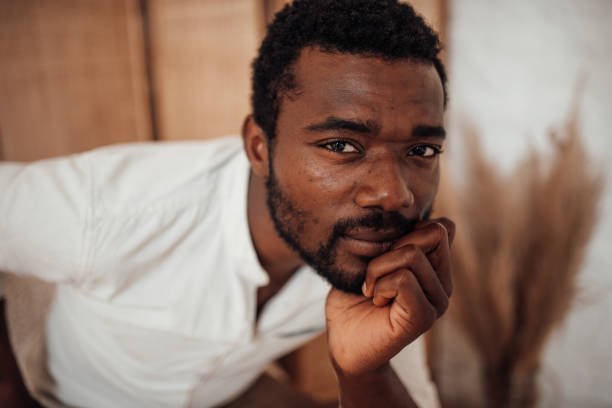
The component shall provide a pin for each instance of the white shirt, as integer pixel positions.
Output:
(157, 275)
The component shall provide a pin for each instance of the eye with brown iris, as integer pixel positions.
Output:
(426, 151)
(340, 146)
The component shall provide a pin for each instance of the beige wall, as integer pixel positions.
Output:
(72, 76)
(202, 52)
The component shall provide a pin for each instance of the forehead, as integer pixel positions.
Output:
(346, 84)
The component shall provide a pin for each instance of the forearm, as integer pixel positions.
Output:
(381, 388)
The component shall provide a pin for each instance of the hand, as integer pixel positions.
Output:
(406, 289)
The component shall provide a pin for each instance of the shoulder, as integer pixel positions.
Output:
(216, 150)
(162, 210)
(138, 175)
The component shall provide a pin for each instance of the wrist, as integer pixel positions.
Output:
(362, 377)
(378, 387)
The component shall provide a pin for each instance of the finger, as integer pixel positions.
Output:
(387, 263)
(411, 260)
(440, 258)
(387, 288)
(432, 237)
(427, 234)
(445, 222)
(449, 225)
(410, 302)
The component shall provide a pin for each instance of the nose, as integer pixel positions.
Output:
(384, 187)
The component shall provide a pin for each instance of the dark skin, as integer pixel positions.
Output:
(360, 135)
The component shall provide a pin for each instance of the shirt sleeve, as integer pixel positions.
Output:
(411, 367)
(45, 217)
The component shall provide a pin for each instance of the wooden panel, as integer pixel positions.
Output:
(435, 14)
(72, 76)
(202, 51)
(1, 148)
(432, 11)
(271, 7)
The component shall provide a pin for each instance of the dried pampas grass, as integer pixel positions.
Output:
(520, 243)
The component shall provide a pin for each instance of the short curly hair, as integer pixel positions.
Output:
(382, 28)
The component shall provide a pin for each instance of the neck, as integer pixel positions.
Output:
(276, 257)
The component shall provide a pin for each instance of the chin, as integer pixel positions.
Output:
(347, 277)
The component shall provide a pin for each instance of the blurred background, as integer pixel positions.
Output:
(77, 74)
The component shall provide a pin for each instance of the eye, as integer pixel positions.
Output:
(426, 151)
(340, 146)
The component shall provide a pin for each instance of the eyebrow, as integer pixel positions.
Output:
(354, 125)
(425, 131)
(370, 126)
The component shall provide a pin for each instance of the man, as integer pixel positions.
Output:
(181, 268)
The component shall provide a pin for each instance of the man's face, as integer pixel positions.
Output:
(355, 161)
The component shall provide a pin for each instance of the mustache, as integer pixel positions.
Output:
(388, 221)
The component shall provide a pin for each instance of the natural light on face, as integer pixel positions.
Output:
(355, 161)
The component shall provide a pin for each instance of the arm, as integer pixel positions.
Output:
(381, 387)
(44, 217)
(405, 291)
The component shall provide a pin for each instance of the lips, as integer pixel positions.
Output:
(370, 243)
(375, 235)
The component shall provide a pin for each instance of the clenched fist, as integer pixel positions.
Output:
(406, 289)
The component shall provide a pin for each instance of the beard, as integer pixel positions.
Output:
(290, 222)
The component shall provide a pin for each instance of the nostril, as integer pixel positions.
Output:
(397, 198)
(384, 196)
(384, 184)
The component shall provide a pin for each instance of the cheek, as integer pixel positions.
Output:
(317, 186)
(425, 186)
(326, 181)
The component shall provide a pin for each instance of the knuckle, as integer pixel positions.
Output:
(450, 289)
(450, 227)
(371, 268)
(443, 307)
(409, 253)
(409, 248)
(425, 318)
(375, 270)
(406, 280)
(430, 317)
(376, 300)
(448, 223)
(439, 230)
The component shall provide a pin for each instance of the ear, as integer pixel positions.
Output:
(256, 146)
